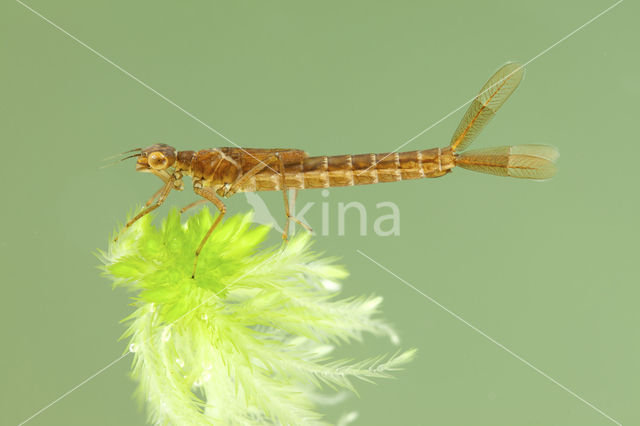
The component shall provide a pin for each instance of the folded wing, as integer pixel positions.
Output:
(521, 161)
(491, 97)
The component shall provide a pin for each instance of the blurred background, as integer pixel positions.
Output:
(549, 270)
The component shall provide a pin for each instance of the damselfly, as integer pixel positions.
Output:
(222, 172)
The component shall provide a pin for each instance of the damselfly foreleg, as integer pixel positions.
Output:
(162, 195)
(154, 196)
(162, 174)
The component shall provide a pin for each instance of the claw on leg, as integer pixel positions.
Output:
(194, 204)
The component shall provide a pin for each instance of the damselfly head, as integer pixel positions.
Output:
(156, 157)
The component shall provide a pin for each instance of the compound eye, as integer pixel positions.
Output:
(157, 160)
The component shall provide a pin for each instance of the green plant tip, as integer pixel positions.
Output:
(249, 340)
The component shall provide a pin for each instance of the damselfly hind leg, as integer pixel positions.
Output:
(274, 159)
(290, 217)
(285, 195)
(208, 194)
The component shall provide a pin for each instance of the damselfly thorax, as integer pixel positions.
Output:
(222, 172)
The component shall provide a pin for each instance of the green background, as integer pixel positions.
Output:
(549, 270)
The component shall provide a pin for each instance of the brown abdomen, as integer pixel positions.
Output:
(362, 169)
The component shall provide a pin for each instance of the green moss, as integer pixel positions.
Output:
(248, 341)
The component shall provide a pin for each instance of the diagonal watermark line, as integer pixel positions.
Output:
(64, 395)
(422, 132)
(492, 340)
(121, 357)
(142, 83)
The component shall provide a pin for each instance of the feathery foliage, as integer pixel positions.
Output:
(248, 341)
